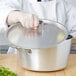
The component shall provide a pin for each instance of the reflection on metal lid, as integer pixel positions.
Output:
(48, 34)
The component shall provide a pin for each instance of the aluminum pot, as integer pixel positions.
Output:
(37, 53)
(49, 59)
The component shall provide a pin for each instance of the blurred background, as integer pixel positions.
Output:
(72, 2)
(4, 43)
(73, 47)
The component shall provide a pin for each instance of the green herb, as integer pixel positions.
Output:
(6, 72)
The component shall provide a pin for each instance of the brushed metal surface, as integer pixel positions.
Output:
(49, 59)
(48, 34)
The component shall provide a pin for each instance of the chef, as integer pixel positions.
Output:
(28, 13)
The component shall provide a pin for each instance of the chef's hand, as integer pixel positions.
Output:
(27, 20)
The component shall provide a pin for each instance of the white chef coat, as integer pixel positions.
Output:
(57, 10)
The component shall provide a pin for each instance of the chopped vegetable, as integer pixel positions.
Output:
(6, 72)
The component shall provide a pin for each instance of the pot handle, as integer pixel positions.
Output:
(69, 37)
